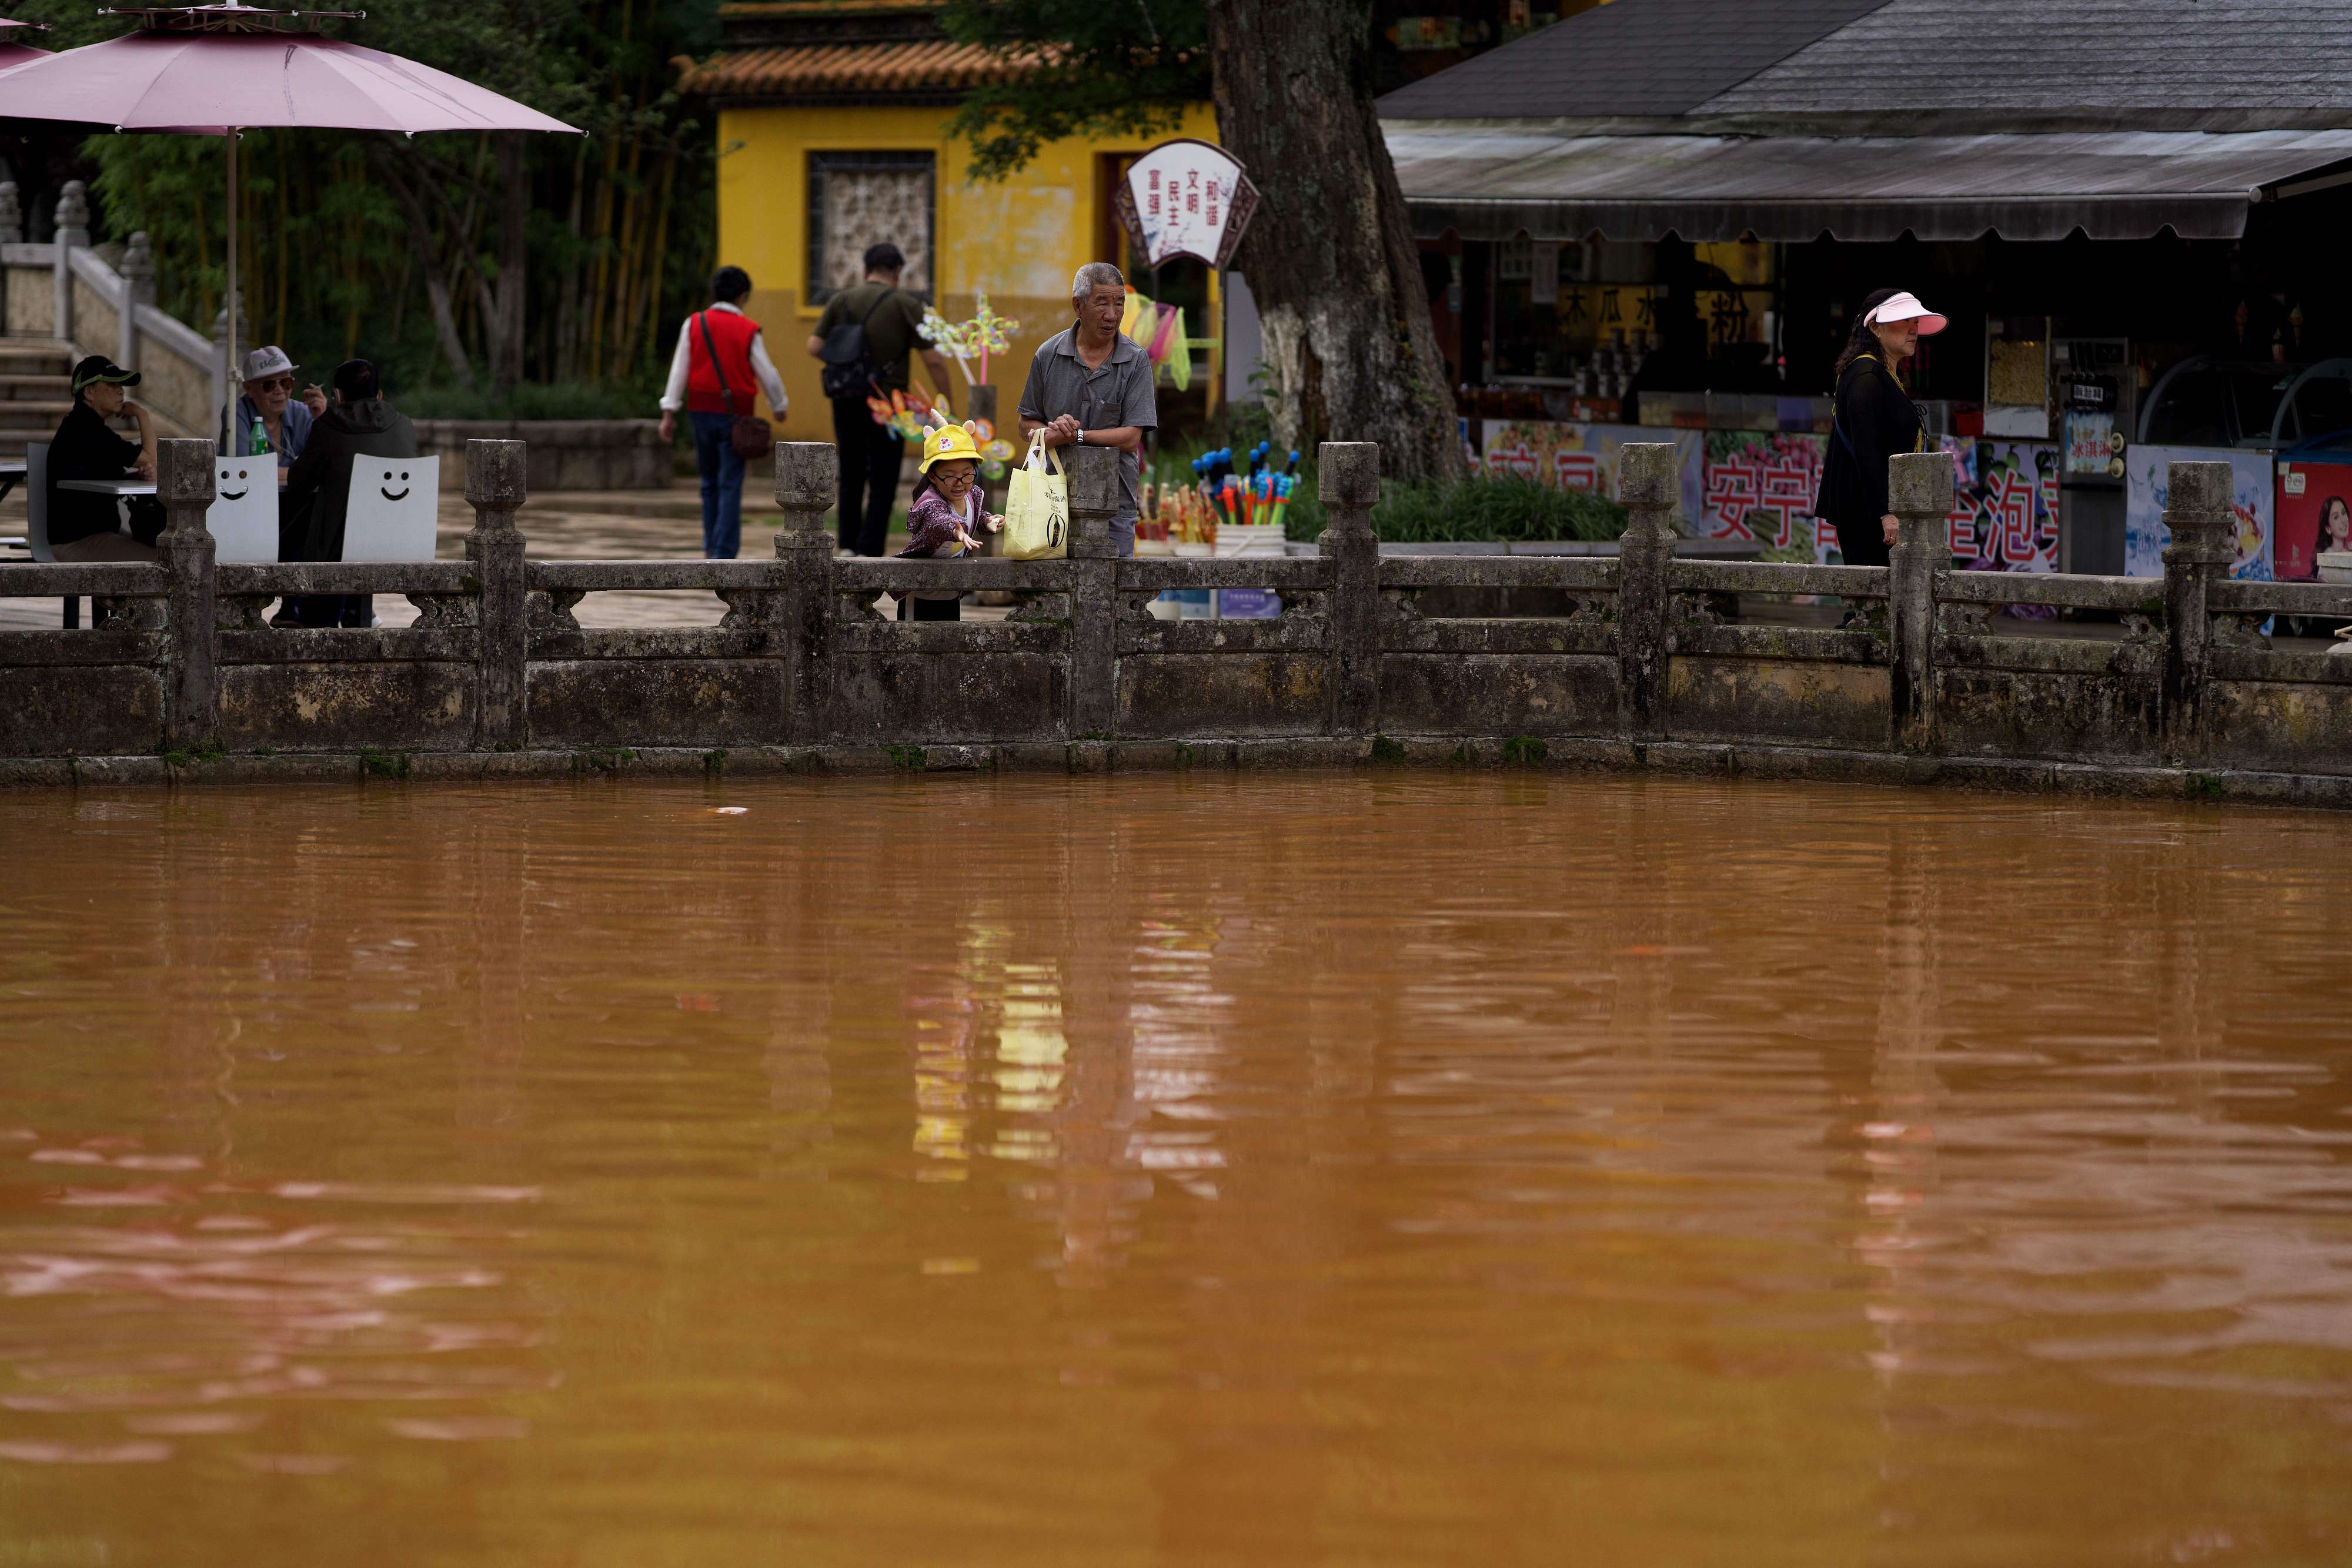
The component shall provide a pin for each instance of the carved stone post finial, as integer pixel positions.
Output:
(1095, 496)
(138, 265)
(184, 484)
(808, 481)
(1348, 483)
(1919, 494)
(73, 214)
(2196, 511)
(1649, 483)
(496, 476)
(70, 219)
(137, 270)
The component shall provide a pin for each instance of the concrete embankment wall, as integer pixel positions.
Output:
(183, 680)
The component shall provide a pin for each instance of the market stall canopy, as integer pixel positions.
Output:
(1489, 181)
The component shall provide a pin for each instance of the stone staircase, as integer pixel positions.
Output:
(36, 389)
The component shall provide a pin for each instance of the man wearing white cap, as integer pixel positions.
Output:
(1874, 420)
(268, 403)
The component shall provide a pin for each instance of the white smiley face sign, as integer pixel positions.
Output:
(393, 506)
(243, 517)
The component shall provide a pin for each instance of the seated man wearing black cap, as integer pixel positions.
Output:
(87, 527)
(310, 515)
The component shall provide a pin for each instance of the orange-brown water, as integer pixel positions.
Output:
(1407, 1169)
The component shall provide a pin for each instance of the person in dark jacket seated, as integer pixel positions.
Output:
(86, 526)
(357, 424)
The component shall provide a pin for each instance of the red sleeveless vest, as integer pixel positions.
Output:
(733, 334)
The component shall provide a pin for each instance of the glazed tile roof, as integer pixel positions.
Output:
(835, 70)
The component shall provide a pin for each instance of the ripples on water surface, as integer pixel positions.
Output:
(1236, 1170)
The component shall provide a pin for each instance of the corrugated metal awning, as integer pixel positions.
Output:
(1493, 181)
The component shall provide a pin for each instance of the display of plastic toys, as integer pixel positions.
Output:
(1159, 330)
(908, 413)
(993, 453)
(986, 333)
(1179, 514)
(1259, 494)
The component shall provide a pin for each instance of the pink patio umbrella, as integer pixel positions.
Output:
(12, 51)
(215, 70)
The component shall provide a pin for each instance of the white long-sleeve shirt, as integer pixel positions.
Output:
(762, 367)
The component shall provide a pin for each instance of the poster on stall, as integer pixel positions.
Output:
(2315, 514)
(2144, 535)
(1760, 487)
(2005, 508)
(1584, 456)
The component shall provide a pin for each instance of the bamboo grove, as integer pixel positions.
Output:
(465, 265)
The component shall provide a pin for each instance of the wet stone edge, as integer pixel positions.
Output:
(1501, 753)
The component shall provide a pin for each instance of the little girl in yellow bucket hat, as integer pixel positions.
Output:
(944, 515)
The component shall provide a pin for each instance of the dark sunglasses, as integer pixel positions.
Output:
(283, 383)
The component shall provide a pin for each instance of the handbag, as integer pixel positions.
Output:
(749, 437)
(849, 364)
(1037, 508)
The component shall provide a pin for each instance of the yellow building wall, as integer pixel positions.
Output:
(1020, 238)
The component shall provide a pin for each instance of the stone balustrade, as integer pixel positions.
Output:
(1649, 665)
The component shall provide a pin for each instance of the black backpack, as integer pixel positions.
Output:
(849, 367)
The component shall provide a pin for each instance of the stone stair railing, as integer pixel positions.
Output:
(64, 292)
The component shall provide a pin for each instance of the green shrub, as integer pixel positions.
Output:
(1483, 510)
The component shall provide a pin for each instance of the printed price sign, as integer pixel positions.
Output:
(1186, 197)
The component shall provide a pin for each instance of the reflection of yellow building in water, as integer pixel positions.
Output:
(833, 136)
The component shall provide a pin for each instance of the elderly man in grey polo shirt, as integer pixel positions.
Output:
(1091, 386)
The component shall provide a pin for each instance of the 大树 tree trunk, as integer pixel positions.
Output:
(1350, 352)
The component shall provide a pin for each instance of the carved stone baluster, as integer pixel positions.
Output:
(2196, 511)
(1347, 481)
(184, 483)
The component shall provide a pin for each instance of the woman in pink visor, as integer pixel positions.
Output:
(1875, 422)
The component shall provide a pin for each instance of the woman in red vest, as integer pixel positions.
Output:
(721, 357)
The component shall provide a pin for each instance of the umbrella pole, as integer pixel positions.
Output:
(232, 439)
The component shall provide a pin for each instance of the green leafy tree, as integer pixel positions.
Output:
(1083, 67)
(1349, 348)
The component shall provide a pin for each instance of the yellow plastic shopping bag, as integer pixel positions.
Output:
(1037, 508)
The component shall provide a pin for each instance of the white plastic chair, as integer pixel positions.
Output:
(243, 517)
(37, 499)
(37, 518)
(393, 510)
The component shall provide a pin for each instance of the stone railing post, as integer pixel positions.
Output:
(12, 215)
(496, 474)
(1919, 494)
(1649, 483)
(980, 402)
(184, 484)
(808, 478)
(1348, 482)
(138, 271)
(2196, 511)
(1093, 606)
(72, 229)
